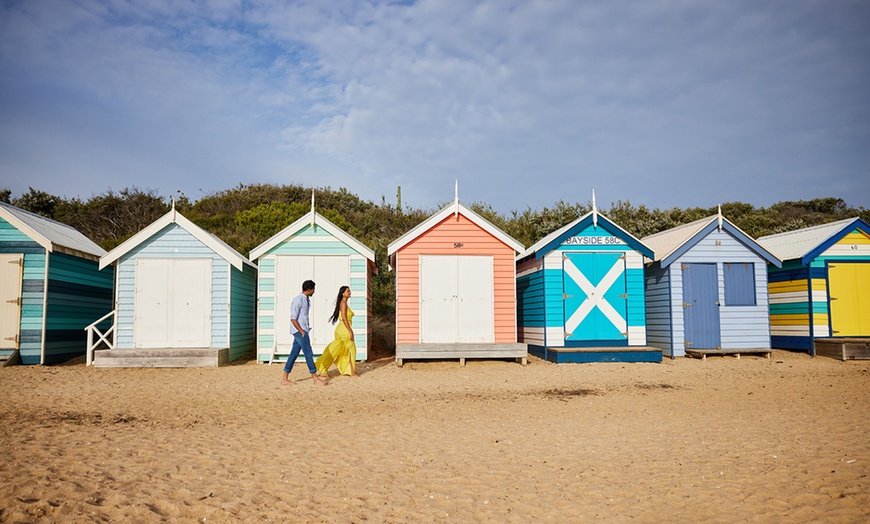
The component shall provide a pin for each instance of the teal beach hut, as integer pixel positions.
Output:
(580, 294)
(311, 248)
(51, 288)
(706, 290)
(183, 298)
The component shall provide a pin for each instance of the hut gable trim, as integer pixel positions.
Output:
(217, 245)
(555, 239)
(448, 210)
(808, 243)
(299, 225)
(672, 244)
(51, 234)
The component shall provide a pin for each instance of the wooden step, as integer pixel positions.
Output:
(161, 358)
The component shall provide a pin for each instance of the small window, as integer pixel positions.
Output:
(739, 284)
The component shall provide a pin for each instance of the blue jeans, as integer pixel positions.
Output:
(303, 343)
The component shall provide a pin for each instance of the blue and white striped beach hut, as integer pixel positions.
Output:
(51, 288)
(706, 290)
(183, 298)
(580, 294)
(311, 248)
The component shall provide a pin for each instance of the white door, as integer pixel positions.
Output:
(173, 303)
(11, 268)
(456, 299)
(328, 273)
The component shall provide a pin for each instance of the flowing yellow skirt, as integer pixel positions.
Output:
(341, 352)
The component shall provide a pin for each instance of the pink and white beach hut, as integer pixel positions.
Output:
(456, 289)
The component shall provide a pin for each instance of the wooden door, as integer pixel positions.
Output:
(595, 297)
(11, 274)
(172, 303)
(328, 273)
(849, 298)
(701, 306)
(456, 299)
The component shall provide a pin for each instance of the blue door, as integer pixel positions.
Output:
(595, 298)
(701, 306)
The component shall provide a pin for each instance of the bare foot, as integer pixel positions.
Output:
(354, 375)
(317, 380)
(285, 382)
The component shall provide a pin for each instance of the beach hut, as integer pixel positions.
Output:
(820, 297)
(51, 287)
(581, 296)
(311, 248)
(706, 290)
(455, 289)
(183, 298)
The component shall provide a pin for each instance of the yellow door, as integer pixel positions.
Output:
(850, 299)
(11, 268)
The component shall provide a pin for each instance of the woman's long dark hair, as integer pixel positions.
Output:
(334, 318)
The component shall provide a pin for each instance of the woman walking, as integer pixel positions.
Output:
(342, 350)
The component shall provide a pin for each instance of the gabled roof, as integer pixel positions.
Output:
(312, 218)
(174, 217)
(808, 243)
(454, 208)
(555, 239)
(671, 244)
(50, 234)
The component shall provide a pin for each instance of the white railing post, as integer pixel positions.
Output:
(101, 337)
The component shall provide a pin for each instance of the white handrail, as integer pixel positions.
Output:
(101, 337)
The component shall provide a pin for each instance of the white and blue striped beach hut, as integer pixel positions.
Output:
(311, 248)
(183, 298)
(706, 290)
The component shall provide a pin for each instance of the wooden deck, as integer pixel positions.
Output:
(460, 351)
(584, 355)
(843, 348)
(702, 353)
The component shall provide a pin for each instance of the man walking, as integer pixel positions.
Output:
(299, 328)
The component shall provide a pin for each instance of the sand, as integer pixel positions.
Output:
(726, 440)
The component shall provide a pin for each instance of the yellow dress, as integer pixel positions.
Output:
(341, 351)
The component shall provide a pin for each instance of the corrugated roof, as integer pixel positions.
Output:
(666, 242)
(51, 234)
(799, 243)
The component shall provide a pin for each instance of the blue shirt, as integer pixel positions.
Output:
(299, 311)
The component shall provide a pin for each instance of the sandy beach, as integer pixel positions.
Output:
(726, 440)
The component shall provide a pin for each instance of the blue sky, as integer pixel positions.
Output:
(663, 103)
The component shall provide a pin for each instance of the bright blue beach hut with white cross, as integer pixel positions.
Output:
(51, 287)
(580, 294)
(706, 290)
(183, 298)
(311, 248)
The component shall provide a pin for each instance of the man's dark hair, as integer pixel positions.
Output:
(308, 284)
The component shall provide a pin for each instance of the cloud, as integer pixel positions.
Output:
(666, 103)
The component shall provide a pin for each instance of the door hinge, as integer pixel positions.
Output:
(687, 343)
(16, 301)
(684, 266)
(566, 296)
(833, 298)
(625, 334)
(623, 295)
(685, 305)
(568, 334)
(13, 339)
(18, 262)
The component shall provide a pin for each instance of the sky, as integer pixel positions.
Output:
(665, 103)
